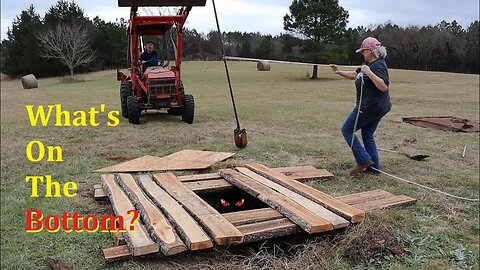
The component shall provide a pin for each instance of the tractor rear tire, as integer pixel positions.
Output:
(188, 109)
(133, 110)
(125, 92)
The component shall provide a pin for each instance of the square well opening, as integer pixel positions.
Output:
(232, 200)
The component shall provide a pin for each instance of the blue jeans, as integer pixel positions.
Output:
(367, 123)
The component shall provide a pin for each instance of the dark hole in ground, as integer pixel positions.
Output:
(232, 200)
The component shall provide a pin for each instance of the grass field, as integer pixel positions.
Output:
(290, 120)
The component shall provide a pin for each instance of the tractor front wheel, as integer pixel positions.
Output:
(125, 92)
(188, 109)
(133, 110)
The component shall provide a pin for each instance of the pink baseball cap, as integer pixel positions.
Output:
(369, 43)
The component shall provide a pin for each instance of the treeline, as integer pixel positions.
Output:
(22, 50)
(443, 47)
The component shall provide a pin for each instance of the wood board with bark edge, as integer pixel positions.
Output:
(299, 215)
(189, 230)
(155, 222)
(221, 230)
(353, 214)
(137, 240)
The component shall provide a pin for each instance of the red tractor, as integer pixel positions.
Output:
(159, 86)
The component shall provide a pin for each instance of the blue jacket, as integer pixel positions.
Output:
(152, 59)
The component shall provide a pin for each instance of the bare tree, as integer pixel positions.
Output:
(70, 44)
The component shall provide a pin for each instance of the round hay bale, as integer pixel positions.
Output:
(29, 81)
(263, 66)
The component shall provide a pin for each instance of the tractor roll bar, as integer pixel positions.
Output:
(161, 3)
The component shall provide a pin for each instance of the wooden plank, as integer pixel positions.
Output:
(221, 230)
(305, 173)
(188, 229)
(386, 202)
(199, 177)
(208, 186)
(354, 215)
(264, 214)
(183, 160)
(364, 196)
(313, 207)
(116, 253)
(294, 169)
(319, 174)
(118, 239)
(300, 173)
(100, 195)
(268, 229)
(252, 216)
(292, 210)
(156, 223)
(137, 239)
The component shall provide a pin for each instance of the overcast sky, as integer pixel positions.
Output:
(266, 16)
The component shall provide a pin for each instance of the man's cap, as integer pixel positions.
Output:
(368, 44)
(150, 42)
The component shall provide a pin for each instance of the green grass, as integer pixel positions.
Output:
(290, 120)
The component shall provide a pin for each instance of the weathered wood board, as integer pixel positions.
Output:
(137, 240)
(376, 199)
(299, 173)
(268, 229)
(98, 193)
(220, 229)
(336, 221)
(216, 185)
(183, 160)
(400, 200)
(199, 177)
(366, 196)
(294, 211)
(252, 216)
(156, 223)
(305, 173)
(354, 215)
(116, 253)
(189, 230)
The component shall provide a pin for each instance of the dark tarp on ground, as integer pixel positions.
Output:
(446, 123)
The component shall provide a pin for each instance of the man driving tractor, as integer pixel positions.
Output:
(150, 57)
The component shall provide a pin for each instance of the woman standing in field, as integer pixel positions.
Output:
(372, 103)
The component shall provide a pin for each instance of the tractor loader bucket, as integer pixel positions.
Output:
(161, 3)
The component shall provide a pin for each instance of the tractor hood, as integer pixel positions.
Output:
(159, 73)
